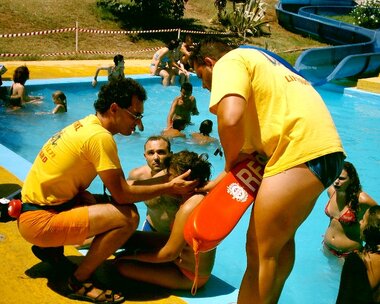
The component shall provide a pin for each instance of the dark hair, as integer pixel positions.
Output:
(159, 137)
(214, 48)
(371, 232)
(21, 74)
(179, 124)
(62, 97)
(187, 87)
(185, 160)
(354, 188)
(118, 58)
(119, 91)
(206, 127)
(173, 44)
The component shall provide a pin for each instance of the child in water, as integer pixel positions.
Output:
(59, 99)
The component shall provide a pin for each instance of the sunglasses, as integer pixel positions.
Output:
(137, 116)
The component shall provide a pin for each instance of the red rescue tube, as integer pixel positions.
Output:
(219, 212)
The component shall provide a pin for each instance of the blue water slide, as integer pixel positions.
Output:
(356, 50)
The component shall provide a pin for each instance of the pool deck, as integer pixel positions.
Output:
(371, 84)
(87, 68)
(73, 68)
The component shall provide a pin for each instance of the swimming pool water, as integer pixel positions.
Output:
(315, 277)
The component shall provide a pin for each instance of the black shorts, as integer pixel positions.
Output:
(327, 167)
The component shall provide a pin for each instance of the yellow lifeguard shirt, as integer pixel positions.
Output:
(285, 117)
(69, 161)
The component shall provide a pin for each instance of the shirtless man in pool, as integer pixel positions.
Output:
(161, 210)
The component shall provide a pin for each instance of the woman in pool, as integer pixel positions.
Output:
(114, 72)
(360, 279)
(167, 260)
(345, 208)
(18, 94)
(59, 99)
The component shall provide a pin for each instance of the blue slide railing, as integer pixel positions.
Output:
(356, 50)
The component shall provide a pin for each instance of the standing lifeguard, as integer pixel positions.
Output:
(263, 106)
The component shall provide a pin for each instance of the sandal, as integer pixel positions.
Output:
(81, 290)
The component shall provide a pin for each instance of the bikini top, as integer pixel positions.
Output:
(348, 217)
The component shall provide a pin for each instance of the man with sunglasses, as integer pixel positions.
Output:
(57, 210)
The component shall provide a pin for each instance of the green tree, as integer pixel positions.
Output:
(163, 8)
(140, 13)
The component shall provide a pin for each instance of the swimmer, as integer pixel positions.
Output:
(114, 72)
(59, 99)
(203, 136)
(183, 106)
(18, 93)
(345, 208)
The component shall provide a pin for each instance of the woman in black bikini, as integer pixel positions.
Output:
(360, 279)
(345, 208)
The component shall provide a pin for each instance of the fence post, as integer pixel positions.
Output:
(76, 36)
(179, 33)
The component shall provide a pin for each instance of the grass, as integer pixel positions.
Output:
(20, 16)
(344, 18)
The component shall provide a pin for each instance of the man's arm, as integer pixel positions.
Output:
(230, 112)
(95, 81)
(123, 193)
(195, 108)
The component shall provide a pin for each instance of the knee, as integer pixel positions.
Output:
(123, 266)
(258, 252)
(131, 217)
(135, 218)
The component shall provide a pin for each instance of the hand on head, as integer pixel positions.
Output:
(180, 185)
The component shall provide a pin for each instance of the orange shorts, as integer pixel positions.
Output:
(48, 228)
